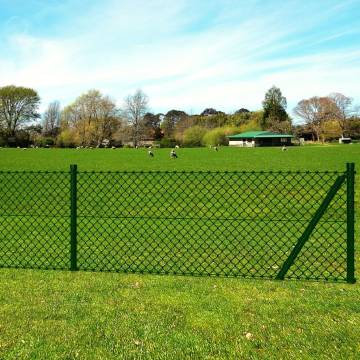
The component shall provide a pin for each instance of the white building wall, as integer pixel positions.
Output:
(241, 143)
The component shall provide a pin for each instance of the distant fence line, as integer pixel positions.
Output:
(275, 224)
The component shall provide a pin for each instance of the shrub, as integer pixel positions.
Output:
(331, 131)
(167, 142)
(194, 136)
(47, 141)
(66, 139)
(217, 136)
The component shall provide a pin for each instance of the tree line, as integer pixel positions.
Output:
(93, 119)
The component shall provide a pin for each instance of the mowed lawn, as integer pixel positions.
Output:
(84, 315)
(327, 157)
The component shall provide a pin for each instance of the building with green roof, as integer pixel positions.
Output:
(259, 138)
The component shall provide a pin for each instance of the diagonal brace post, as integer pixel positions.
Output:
(309, 229)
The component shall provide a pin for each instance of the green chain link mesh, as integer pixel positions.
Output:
(241, 224)
(34, 220)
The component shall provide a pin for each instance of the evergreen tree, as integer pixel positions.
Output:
(275, 117)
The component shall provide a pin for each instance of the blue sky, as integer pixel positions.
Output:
(184, 54)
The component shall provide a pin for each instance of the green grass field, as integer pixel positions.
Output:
(328, 157)
(57, 315)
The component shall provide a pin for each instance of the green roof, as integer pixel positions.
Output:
(258, 135)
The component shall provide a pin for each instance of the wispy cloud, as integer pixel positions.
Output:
(189, 55)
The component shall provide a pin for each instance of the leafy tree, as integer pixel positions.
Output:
(354, 127)
(151, 126)
(212, 121)
(242, 119)
(275, 114)
(93, 117)
(210, 112)
(252, 124)
(171, 119)
(242, 111)
(18, 106)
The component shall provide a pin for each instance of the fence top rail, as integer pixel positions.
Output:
(334, 172)
(213, 172)
(34, 172)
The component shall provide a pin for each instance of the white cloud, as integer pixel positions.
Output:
(126, 45)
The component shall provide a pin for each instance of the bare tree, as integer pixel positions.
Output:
(51, 119)
(135, 108)
(315, 111)
(341, 110)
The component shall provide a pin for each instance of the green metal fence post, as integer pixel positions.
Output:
(73, 226)
(350, 184)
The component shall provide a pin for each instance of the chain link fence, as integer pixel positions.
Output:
(241, 224)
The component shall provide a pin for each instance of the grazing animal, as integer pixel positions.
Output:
(151, 154)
